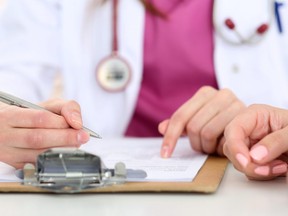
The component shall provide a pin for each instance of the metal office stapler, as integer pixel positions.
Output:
(71, 170)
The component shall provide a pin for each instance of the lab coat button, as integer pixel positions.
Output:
(235, 69)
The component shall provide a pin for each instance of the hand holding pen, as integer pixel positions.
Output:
(25, 133)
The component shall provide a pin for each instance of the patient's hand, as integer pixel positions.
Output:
(257, 142)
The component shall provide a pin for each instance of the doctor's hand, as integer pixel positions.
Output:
(25, 133)
(257, 142)
(203, 119)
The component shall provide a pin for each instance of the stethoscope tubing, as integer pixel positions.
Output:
(242, 40)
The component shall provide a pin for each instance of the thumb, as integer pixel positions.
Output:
(270, 147)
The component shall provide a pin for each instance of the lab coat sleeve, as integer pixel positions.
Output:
(29, 47)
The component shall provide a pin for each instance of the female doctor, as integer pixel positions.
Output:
(131, 64)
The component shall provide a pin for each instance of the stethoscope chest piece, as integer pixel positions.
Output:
(113, 73)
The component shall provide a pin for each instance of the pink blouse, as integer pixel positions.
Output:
(178, 60)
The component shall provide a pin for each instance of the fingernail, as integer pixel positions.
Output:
(279, 169)
(76, 118)
(165, 152)
(82, 137)
(242, 160)
(262, 170)
(259, 152)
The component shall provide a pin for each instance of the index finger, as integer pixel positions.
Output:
(31, 118)
(177, 123)
(70, 110)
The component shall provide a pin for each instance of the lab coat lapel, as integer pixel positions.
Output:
(245, 67)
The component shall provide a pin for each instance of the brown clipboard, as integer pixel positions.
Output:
(207, 180)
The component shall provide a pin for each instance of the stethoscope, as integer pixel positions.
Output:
(239, 39)
(113, 72)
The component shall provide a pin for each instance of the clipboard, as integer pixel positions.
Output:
(206, 181)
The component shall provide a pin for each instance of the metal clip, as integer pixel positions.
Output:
(71, 170)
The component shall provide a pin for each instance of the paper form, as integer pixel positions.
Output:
(138, 153)
(7, 173)
(144, 154)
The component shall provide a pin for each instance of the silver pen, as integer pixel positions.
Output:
(15, 101)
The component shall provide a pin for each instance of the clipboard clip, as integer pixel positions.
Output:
(71, 170)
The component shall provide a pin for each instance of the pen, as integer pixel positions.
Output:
(15, 101)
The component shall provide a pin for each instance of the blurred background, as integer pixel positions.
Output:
(57, 92)
(2, 3)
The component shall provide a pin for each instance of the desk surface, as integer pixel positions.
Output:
(235, 196)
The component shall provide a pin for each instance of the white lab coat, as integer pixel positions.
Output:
(40, 38)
